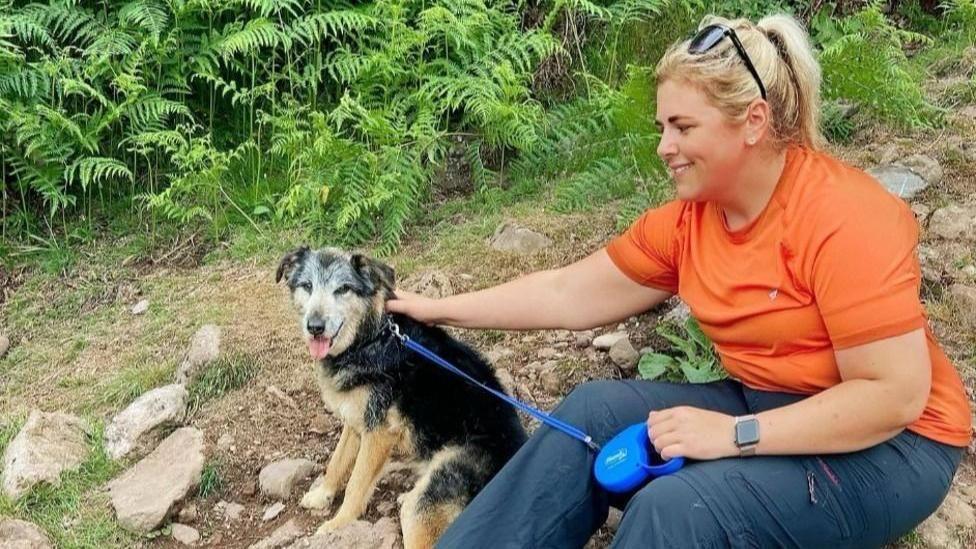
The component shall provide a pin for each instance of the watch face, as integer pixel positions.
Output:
(747, 432)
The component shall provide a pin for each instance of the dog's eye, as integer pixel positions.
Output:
(307, 286)
(344, 289)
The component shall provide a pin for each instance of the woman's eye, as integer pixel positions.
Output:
(684, 129)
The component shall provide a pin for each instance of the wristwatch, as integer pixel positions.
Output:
(746, 434)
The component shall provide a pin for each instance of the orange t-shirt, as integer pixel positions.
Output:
(829, 264)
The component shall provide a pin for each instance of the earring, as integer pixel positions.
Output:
(751, 141)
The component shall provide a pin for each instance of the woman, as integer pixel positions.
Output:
(843, 421)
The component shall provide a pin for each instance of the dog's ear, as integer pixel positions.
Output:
(376, 273)
(289, 261)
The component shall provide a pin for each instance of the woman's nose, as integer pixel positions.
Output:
(666, 147)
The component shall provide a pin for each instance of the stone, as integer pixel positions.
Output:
(277, 479)
(606, 341)
(47, 445)
(965, 298)
(899, 180)
(613, 519)
(964, 148)
(184, 534)
(583, 339)
(20, 534)
(510, 237)
(625, 356)
(678, 313)
(498, 354)
(225, 442)
(151, 413)
(189, 513)
(284, 534)
(432, 284)
(204, 349)
(547, 353)
(953, 222)
(552, 382)
(383, 534)
(144, 495)
(233, 511)
(925, 166)
(272, 511)
(141, 307)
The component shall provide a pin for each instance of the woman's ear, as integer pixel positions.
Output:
(757, 121)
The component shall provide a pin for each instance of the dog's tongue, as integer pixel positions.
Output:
(319, 347)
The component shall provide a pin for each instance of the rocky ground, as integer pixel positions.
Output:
(230, 471)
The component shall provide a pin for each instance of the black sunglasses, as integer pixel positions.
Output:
(706, 39)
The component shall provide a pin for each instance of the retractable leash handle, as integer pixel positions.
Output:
(625, 462)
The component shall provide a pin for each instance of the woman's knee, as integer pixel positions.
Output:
(583, 397)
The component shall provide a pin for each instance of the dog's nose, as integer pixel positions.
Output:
(316, 327)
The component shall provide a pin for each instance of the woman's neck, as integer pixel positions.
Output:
(754, 189)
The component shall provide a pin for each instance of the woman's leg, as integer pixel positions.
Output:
(545, 497)
(859, 499)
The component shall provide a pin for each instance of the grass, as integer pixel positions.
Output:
(75, 515)
(224, 375)
(211, 480)
(128, 384)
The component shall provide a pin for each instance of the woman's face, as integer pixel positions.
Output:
(701, 147)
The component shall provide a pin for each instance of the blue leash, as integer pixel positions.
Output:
(538, 414)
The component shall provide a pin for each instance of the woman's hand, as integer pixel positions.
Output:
(692, 432)
(414, 305)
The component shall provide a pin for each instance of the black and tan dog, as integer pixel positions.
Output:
(390, 399)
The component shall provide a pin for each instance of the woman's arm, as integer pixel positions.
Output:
(885, 388)
(588, 293)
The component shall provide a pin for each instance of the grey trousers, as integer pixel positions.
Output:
(545, 497)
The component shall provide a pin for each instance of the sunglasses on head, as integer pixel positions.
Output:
(708, 37)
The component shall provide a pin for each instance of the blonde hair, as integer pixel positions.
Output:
(780, 50)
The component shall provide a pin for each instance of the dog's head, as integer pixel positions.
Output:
(338, 296)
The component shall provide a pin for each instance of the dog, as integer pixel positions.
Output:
(390, 399)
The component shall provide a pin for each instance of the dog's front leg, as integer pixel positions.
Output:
(374, 451)
(336, 472)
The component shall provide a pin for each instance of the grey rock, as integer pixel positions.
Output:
(233, 511)
(189, 513)
(899, 180)
(19, 534)
(185, 534)
(925, 166)
(284, 534)
(277, 479)
(965, 148)
(383, 534)
(606, 341)
(433, 284)
(678, 313)
(510, 237)
(625, 356)
(547, 353)
(953, 222)
(144, 495)
(965, 298)
(141, 307)
(272, 511)
(552, 382)
(204, 349)
(151, 413)
(583, 339)
(47, 445)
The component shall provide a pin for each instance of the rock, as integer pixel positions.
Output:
(925, 166)
(140, 307)
(19, 534)
(225, 442)
(271, 512)
(283, 535)
(510, 237)
(583, 339)
(552, 382)
(548, 353)
(250, 488)
(433, 284)
(499, 353)
(232, 511)
(189, 514)
(277, 479)
(606, 341)
(47, 445)
(964, 148)
(678, 313)
(921, 212)
(965, 298)
(384, 534)
(614, 518)
(625, 356)
(899, 180)
(185, 534)
(4, 345)
(953, 222)
(144, 495)
(151, 413)
(204, 349)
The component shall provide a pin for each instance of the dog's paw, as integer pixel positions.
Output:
(317, 499)
(332, 525)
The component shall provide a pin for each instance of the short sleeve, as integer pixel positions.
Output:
(647, 251)
(866, 276)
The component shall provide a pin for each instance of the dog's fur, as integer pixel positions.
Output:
(391, 399)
